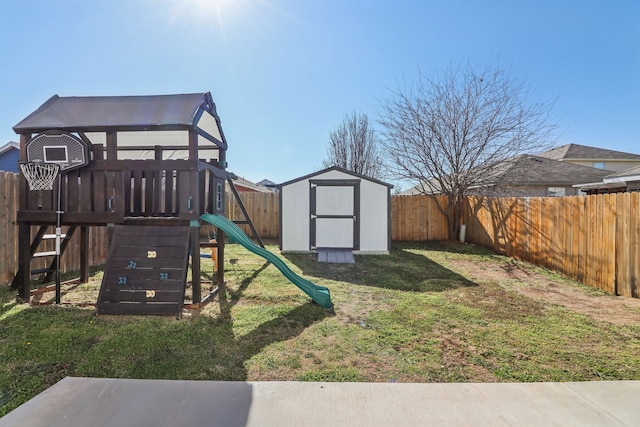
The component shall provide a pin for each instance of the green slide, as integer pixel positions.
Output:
(317, 293)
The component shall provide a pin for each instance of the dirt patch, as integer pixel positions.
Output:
(457, 352)
(539, 286)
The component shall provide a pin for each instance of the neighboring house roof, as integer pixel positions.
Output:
(246, 185)
(336, 168)
(615, 181)
(9, 146)
(583, 152)
(631, 174)
(534, 170)
(432, 187)
(268, 183)
(126, 112)
(527, 170)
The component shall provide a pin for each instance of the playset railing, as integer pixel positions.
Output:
(109, 191)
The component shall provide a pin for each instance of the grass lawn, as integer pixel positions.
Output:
(428, 312)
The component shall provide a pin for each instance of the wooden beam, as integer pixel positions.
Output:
(84, 254)
(195, 264)
(112, 145)
(193, 145)
(24, 261)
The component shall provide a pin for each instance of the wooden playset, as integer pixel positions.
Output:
(145, 167)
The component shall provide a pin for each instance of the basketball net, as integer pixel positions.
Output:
(40, 176)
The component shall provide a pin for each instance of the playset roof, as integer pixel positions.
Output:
(102, 113)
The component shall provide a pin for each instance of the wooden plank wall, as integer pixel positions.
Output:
(98, 241)
(592, 239)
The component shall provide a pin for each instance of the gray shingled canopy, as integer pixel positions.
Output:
(533, 170)
(583, 152)
(102, 113)
(635, 171)
(620, 176)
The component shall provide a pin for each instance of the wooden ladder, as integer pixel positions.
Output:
(42, 236)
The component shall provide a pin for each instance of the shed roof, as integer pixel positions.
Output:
(101, 113)
(584, 152)
(335, 168)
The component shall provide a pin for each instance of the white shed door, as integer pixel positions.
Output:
(335, 214)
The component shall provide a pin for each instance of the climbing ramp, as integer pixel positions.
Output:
(146, 271)
(317, 293)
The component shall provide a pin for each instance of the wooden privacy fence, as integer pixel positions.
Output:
(8, 226)
(417, 218)
(412, 217)
(592, 239)
(263, 209)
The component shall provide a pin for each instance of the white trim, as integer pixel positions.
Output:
(8, 146)
(626, 178)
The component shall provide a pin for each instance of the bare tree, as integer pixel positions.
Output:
(353, 145)
(455, 131)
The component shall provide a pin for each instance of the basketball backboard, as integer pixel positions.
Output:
(64, 149)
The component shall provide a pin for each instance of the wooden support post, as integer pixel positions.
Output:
(112, 146)
(220, 263)
(24, 232)
(244, 212)
(24, 261)
(193, 145)
(84, 254)
(195, 262)
(222, 163)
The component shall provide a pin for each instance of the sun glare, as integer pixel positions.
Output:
(208, 13)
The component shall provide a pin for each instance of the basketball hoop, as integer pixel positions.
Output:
(39, 175)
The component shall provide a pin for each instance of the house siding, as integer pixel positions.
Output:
(9, 161)
(610, 165)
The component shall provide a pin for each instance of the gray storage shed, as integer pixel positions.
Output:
(335, 209)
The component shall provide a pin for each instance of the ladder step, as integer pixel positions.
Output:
(43, 254)
(41, 270)
(208, 245)
(53, 236)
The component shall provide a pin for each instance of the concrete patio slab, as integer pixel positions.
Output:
(128, 402)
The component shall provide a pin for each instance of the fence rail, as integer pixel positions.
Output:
(592, 239)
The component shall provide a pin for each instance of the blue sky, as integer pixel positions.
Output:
(284, 73)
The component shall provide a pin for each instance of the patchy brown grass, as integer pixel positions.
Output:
(427, 312)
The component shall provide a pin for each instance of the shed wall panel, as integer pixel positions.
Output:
(374, 217)
(295, 216)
